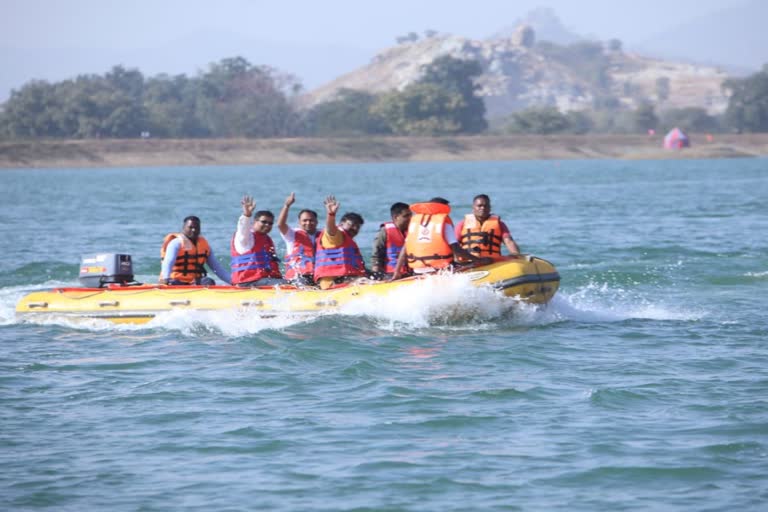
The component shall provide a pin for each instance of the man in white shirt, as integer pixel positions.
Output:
(300, 243)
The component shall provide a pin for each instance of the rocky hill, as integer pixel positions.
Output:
(519, 74)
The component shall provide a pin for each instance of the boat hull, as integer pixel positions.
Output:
(532, 279)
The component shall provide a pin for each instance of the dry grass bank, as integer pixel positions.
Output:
(163, 152)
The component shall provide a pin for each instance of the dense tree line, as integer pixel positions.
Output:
(549, 120)
(234, 98)
(748, 106)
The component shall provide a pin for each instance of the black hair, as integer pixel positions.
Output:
(397, 209)
(482, 196)
(440, 200)
(192, 218)
(311, 212)
(354, 217)
(265, 213)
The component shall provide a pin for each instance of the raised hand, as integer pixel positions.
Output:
(290, 199)
(331, 205)
(248, 205)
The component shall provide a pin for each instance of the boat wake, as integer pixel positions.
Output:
(450, 302)
(599, 302)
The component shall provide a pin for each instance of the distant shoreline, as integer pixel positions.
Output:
(99, 153)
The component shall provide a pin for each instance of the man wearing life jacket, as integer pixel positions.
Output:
(337, 257)
(254, 260)
(184, 256)
(430, 243)
(390, 241)
(482, 232)
(300, 243)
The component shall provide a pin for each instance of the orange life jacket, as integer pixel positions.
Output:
(425, 244)
(188, 267)
(338, 261)
(481, 240)
(301, 261)
(259, 262)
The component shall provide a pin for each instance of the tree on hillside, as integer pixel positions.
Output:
(613, 121)
(538, 120)
(349, 113)
(579, 122)
(123, 111)
(457, 76)
(644, 118)
(88, 106)
(31, 112)
(662, 88)
(615, 45)
(748, 105)
(410, 37)
(170, 103)
(420, 109)
(692, 119)
(236, 98)
(586, 59)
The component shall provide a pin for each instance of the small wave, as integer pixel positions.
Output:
(619, 398)
(10, 295)
(603, 303)
(498, 394)
(230, 323)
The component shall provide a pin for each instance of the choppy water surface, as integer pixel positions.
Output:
(643, 386)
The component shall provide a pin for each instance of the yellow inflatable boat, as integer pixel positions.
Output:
(532, 279)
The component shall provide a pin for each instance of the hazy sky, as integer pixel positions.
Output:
(146, 23)
(316, 40)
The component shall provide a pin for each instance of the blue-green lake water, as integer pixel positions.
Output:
(642, 386)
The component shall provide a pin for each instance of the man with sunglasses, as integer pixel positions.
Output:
(254, 259)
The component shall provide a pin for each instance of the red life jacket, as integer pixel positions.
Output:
(190, 259)
(301, 260)
(338, 261)
(395, 243)
(259, 262)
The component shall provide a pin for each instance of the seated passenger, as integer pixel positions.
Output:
(337, 257)
(254, 261)
(300, 243)
(430, 244)
(482, 233)
(389, 242)
(184, 256)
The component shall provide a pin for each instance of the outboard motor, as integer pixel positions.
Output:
(98, 270)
